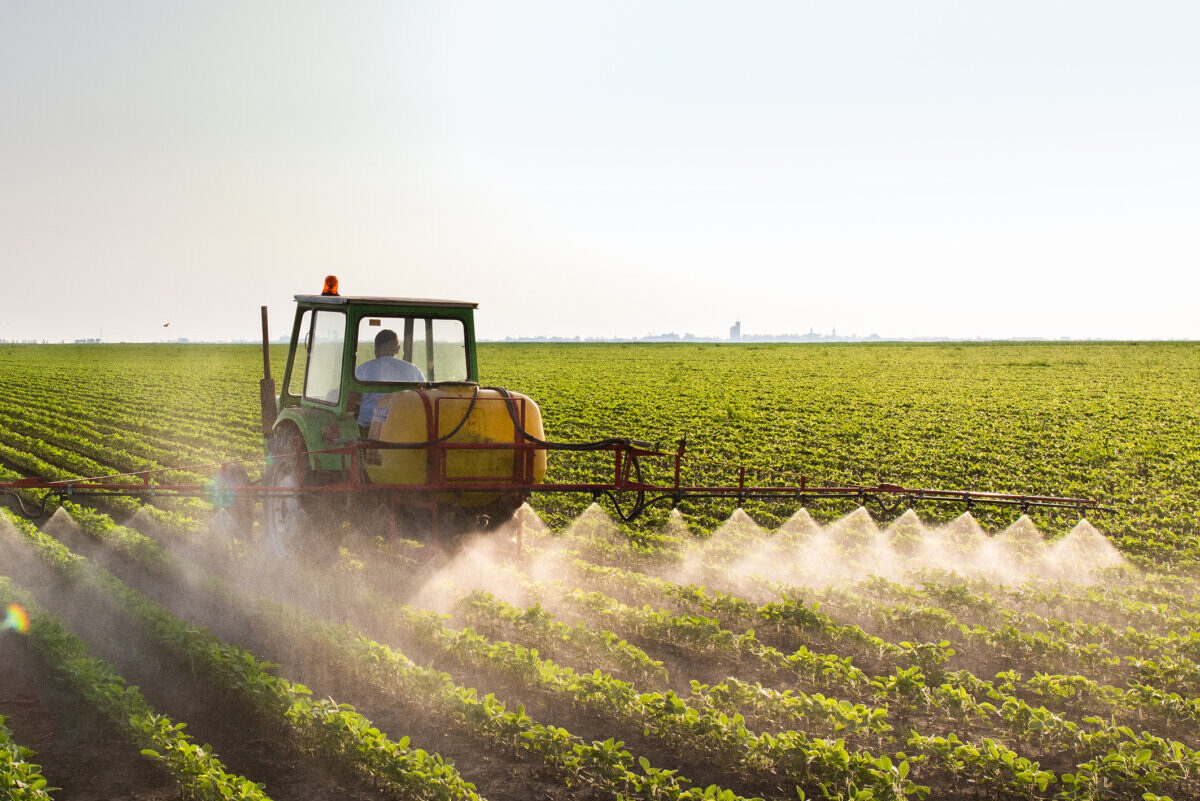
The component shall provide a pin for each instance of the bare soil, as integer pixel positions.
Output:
(80, 751)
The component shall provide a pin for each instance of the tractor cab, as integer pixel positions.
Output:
(346, 352)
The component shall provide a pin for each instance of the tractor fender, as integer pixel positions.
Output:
(320, 429)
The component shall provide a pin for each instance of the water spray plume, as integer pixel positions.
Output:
(676, 526)
(61, 524)
(855, 532)
(1081, 553)
(906, 532)
(744, 544)
(143, 521)
(1022, 538)
(734, 542)
(595, 522)
(951, 546)
(533, 524)
(62, 527)
(853, 548)
(478, 564)
(801, 524)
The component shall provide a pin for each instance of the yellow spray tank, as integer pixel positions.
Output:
(464, 413)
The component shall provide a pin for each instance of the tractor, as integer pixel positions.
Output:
(380, 408)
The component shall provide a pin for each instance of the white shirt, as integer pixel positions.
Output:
(383, 368)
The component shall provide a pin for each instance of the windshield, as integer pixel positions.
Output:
(402, 350)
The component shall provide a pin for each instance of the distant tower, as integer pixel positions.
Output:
(735, 332)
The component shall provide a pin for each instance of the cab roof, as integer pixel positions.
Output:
(368, 300)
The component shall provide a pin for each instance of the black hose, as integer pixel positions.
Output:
(639, 499)
(24, 511)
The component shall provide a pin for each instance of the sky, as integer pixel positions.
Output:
(1017, 169)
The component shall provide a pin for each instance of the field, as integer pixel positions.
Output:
(157, 653)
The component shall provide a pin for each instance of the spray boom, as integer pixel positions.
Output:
(628, 490)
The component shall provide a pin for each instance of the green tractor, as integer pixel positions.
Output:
(380, 412)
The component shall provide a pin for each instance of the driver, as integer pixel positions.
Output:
(385, 367)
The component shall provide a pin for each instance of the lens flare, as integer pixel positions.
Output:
(16, 618)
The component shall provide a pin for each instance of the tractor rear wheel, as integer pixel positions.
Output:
(297, 523)
(284, 518)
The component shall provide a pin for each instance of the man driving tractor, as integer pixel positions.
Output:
(385, 367)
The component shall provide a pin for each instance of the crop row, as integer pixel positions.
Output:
(33, 465)
(194, 767)
(654, 712)
(1159, 671)
(20, 779)
(536, 628)
(106, 456)
(900, 694)
(1121, 413)
(328, 727)
(183, 426)
(1143, 603)
(153, 394)
(663, 716)
(1099, 644)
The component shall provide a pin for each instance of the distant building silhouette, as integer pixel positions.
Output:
(735, 332)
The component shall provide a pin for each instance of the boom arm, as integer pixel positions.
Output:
(628, 491)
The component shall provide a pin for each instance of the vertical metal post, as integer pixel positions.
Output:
(679, 461)
(407, 354)
(266, 387)
(432, 376)
(266, 344)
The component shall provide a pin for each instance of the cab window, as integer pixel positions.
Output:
(325, 343)
(409, 349)
(299, 358)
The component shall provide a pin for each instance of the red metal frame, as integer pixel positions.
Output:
(625, 483)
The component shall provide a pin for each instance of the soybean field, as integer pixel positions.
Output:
(157, 651)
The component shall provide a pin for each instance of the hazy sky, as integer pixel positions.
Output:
(613, 169)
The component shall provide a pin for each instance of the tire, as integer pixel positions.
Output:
(298, 524)
(285, 521)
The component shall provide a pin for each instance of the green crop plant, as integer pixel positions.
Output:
(20, 779)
